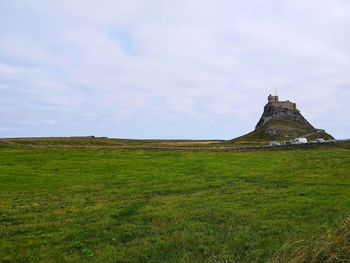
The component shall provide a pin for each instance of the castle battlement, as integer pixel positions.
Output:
(271, 98)
(281, 104)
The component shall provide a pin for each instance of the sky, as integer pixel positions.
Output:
(180, 69)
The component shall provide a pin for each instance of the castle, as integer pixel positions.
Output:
(281, 104)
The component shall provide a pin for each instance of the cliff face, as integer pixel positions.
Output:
(277, 110)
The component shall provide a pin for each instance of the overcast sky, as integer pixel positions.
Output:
(170, 69)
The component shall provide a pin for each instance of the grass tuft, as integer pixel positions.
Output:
(333, 247)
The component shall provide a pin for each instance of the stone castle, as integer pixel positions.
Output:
(281, 104)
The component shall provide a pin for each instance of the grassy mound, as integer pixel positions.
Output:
(280, 130)
(333, 247)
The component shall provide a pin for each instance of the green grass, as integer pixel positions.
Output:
(110, 205)
(334, 246)
(101, 141)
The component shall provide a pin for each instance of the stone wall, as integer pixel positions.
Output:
(284, 104)
(281, 104)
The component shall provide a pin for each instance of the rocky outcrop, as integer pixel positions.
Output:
(273, 110)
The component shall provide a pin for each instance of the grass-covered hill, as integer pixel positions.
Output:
(280, 129)
(111, 205)
(281, 121)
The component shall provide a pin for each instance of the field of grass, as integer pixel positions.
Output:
(113, 205)
(101, 141)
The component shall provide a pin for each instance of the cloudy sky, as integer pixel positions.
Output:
(170, 69)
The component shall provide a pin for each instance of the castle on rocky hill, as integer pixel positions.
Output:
(276, 109)
(281, 120)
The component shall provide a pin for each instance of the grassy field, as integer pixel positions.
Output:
(110, 205)
(101, 141)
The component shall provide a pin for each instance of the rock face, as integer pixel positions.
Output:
(282, 110)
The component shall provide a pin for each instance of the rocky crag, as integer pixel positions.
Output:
(281, 120)
(286, 110)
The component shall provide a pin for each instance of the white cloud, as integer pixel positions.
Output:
(7, 71)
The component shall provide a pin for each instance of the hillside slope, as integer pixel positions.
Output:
(281, 130)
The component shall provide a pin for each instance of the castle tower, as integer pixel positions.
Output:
(271, 98)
